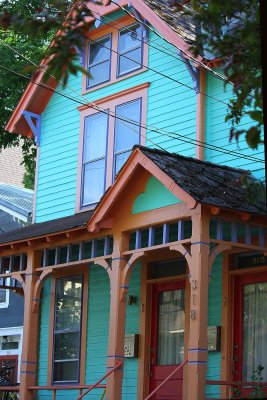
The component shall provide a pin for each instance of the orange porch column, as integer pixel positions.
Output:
(117, 319)
(30, 330)
(199, 280)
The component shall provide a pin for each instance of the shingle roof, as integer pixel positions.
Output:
(206, 182)
(16, 199)
(47, 228)
(181, 23)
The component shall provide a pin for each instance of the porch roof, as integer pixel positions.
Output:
(47, 228)
(207, 183)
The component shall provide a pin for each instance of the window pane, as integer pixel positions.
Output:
(99, 73)
(66, 371)
(130, 61)
(254, 330)
(126, 133)
(2, 295)
(130, 37)
(94, 181)
(120, 160)
(171, 318)
(95, 137)
(68, 304)
(99, 51)
(67, 346)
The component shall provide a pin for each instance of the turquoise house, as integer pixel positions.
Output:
(144, 274)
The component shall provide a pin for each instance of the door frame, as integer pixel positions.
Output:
(146, 323)
(227, 340)
(239, 282)
(158, 288)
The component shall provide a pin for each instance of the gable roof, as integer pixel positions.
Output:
(176, 29)
(191, 180)
(206, 182)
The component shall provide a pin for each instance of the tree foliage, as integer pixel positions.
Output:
(230, 31)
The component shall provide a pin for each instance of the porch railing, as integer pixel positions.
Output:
(239, 385)
(87, 388)
(165, 380)
(8, 392)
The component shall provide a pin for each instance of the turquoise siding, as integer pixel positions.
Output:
(97, 335)
(155, 196)
(215, 318)
(171, 106)
(218, 132)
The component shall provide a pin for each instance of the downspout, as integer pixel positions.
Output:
(201, 116)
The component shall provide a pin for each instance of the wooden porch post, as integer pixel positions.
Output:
(117, 319)
(199, 280)
(30, 330)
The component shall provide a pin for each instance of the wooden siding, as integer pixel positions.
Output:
(215, 318)
(171, 106)
(218, 132)
(155, 196)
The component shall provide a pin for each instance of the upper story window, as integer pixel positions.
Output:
(113, 54)
(99, 61)
(67, 329)
(107, 138)
(130, 49)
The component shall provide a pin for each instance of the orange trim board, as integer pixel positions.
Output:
(35, 98)
(137, 159)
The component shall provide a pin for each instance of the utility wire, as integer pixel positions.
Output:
(148, 128)
(166, 50)
(166, 40)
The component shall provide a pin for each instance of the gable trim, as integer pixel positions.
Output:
(135, 160)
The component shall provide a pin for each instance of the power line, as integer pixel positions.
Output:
(167, 41)
(148, 128)
(166, 50)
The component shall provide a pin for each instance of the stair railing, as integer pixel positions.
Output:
(100, 380)
(165, 380)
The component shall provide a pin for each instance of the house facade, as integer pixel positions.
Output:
(145, 253)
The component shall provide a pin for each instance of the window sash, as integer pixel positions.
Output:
(124, 52)
(66, 330)
(97, 63)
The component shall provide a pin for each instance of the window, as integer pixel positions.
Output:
(127, 132)
(114, 54)
(67, 330)
(99, 57)
(130, 49)
(3, 298)
(107, 145)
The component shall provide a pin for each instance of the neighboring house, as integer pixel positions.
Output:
(11, 167)
(139, 259)
(15, 211)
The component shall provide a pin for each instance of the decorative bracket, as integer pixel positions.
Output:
(194, 72)
(140, 18)
(38, 287)
(34, 121)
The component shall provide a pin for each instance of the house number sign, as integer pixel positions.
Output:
(194, 286)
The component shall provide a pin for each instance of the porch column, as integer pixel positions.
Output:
(30, 330)
(117, 319)
(199, 280)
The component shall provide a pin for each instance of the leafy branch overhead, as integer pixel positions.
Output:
(230, 32)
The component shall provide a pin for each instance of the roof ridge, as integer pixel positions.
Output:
(164, 152)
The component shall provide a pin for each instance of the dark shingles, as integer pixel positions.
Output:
(206, 182)
(181, 23)
(47, 228)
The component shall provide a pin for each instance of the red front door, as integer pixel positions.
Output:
(250, 327)
(167, 339)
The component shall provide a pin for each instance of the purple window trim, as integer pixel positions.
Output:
(80, 337)
(88, 86)
(118, 75)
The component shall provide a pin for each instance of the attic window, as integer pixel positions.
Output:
(99, 61)
(130, 49)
